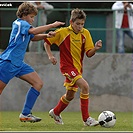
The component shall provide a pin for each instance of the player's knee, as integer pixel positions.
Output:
(85, 88)
(38, 85)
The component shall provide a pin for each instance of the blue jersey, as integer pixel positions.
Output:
(18, 42)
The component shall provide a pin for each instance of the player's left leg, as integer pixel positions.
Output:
(6, 73)
(84, 103)
(33, 79)
(62, 104)
(31, 97)
(28, 74)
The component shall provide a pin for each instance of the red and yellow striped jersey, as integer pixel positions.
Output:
(72, 46)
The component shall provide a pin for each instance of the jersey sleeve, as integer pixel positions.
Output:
(55, 39)
(89, 42)
(25, 26)
(31, 36)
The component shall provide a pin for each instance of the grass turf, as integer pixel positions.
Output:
(72, 122)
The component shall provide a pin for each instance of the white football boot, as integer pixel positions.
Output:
(29, 118)
(58, 119)
(91, 122)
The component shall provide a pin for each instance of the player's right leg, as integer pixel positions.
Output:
(57, 118)
(84, 103)
(5, 74)
(71, 76)
(62, 104)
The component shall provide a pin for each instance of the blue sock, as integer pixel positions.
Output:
(31, 98)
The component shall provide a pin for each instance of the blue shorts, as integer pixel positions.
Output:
(8, 70)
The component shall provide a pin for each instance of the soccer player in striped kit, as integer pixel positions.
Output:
(73, 41)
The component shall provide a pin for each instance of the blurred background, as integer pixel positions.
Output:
(100, 22)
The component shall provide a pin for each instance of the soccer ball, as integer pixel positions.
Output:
(107, 119)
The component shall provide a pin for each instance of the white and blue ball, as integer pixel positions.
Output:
(107, 119)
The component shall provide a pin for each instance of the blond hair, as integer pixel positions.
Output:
(77, 14)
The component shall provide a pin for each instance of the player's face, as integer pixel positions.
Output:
(77, 25)
(29, 18)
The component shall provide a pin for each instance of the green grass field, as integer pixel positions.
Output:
(72, 122)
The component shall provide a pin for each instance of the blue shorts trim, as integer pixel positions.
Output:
(8, 70)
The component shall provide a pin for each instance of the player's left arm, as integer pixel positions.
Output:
(98, 45)
(39, 37)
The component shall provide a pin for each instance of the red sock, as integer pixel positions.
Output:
(62, 104)
(84, 102)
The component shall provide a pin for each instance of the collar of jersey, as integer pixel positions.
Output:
(70, 28)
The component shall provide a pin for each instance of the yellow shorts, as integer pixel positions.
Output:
(72, 75)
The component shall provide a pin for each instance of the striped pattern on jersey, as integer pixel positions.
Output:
(72, 46)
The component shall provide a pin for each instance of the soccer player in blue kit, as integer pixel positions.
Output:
(12, 59)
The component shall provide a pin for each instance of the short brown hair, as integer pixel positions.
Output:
(26, 8)
(77, 14)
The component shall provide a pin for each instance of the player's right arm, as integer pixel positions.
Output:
(41, 29)
(49, 53)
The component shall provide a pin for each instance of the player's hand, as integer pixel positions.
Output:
(98, 44)
(53, 60)
(51, 34)
(57, 23)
